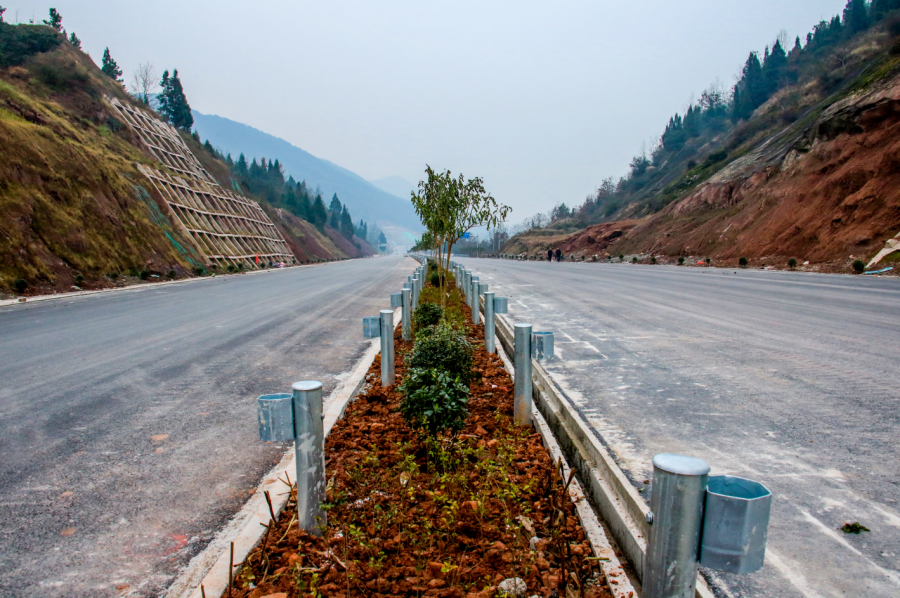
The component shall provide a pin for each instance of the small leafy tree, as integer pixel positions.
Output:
(450, 207)
(792, 263)
(110, 68)
(859, 266)
(742, 262)
(55, 20)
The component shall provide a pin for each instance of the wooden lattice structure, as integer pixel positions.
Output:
(226, 227)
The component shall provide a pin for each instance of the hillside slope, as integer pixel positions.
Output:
(812, 174)
(364, 199)
(74, 208)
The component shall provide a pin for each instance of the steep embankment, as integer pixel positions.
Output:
(813, 174)
(826, 191)
(74, 209)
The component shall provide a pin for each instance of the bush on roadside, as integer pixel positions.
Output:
(145, 274)
(708, 262)
(681, 261)
(443, 348)
(231, 267)
(427, 314)
(792, 263)
(653, 260)
(859, 266)
(172, 274)
(79, 279)
(20, 285)
(742, 262)
(434, 400)
(113, 275)
(634, 260)
(199, 271)
(435, 279)
(133, 272)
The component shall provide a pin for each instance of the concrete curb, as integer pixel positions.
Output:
(246, 529)
(608, 489)
(620, 584)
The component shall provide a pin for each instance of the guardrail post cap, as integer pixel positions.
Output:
(681, 464)
(306, 385)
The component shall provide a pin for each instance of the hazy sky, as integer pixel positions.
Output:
(542, 100)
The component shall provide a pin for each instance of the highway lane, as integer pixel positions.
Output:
(128, 431)
(787, 378)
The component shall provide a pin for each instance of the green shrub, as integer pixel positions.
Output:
(241, 265)
(443, 348)
(172, 274)
(61, 78)
(18, 42)
(859, 266)
(653, 260)
(634, 260)
(427, 314)
(199, 271)
(708, 261)
(79, 279)
(20, 285)
(231, 267)
(792, 263)
(113, 275)
(435, 279)
(742, 262)
(621, 256)
(133, 272)
(681, 261)
(145, 274)
(433, 400)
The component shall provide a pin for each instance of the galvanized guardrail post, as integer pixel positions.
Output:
(476, 302)
(719, 521)
(676, 514)
(489, 321)
(407, 312)
(522, 364)
(415, 293)
(387, 347)
(309, 448)
(473, 296)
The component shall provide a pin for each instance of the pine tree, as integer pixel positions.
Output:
(173, 104)
(773, 68)
(317, 213)
(110, 68)
(855, 17)
(241, 166)
(750, 92)
(346, 223)
(73, 39)
(335, 204)
(55, 20)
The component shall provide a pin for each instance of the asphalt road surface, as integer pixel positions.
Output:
(787, 378)
(128, 431)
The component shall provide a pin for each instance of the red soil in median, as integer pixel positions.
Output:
(448, 518)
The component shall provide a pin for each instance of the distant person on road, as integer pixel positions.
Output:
(550, 255)
(558, 254)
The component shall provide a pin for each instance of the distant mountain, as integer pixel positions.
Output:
(365, 200)
(395, 185)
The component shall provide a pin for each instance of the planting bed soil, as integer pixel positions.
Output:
(448, 516)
